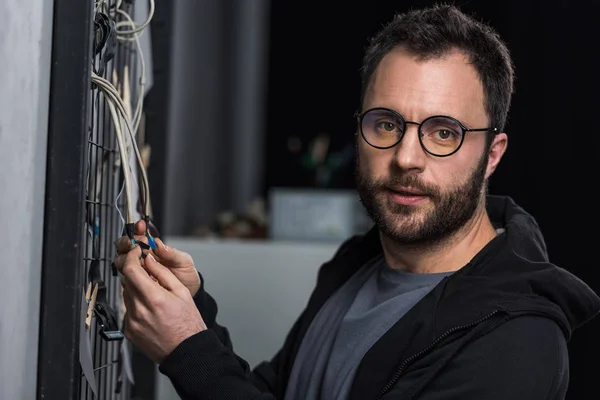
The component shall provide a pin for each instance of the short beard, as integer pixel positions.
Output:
(413, 226)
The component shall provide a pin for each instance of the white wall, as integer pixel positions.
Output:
(25, 48)
(260, 289)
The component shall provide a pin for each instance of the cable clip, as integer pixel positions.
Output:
(109, 327)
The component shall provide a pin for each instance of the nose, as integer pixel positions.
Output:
(409, 155)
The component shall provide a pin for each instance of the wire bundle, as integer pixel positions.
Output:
(127, 123)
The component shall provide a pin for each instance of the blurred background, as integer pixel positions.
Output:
(249, 115)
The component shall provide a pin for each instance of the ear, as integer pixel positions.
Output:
(497, 150)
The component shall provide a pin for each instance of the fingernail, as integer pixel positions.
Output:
(165, 247)
(150, 256)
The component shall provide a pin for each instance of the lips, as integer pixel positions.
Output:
(406, 196)
(406, 191)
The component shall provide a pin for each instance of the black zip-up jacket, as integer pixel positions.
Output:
(495, 329)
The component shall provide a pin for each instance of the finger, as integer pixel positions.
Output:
(172, 257)
(120, 258)
(140, 227)
(135, 276)
(162, 274)
(119, 261)
(123, 245)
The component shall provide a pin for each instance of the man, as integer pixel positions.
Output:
(450, 295)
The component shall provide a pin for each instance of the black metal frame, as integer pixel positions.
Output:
(61, 291)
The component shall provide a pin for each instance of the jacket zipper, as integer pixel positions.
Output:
(421, 353)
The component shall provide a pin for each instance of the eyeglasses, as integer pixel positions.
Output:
(439, 135)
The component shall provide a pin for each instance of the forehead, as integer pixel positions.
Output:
(448, 85)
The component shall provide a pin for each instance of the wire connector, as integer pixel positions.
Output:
(151, 240)
(130, 230)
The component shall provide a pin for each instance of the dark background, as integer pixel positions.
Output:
(550, 166)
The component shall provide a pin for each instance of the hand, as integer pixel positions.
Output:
(160, 310)
(179, 263)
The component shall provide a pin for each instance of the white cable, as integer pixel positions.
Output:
(137, 114)
(121, 107)
(138, 111)
(126, 171)
(115, 103)
(109, 89)
(119, 210)
(118, 108)
(138, 28)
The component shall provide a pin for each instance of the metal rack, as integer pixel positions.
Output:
(82, 221)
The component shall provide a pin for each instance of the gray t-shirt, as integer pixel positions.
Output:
(349, 323)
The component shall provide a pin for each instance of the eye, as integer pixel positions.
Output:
(387, 126)
(442, 130)
(446, 134)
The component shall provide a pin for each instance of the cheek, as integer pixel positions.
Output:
(446, 178)
(448, 174)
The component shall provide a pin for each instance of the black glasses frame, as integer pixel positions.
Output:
(361, 116)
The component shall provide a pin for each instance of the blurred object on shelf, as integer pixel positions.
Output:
(251, 224)
(316, 214)
(319, 161)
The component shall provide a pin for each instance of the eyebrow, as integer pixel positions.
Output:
(439, 113)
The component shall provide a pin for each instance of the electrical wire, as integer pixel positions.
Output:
(118, 209)
(136, 34)
(137, 115)
(137, 28)
(138, 112)
(117, 120)
(121, 117)
(126, 122)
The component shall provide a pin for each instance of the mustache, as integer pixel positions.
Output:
(412, 181)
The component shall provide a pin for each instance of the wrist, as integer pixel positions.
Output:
(194, 287)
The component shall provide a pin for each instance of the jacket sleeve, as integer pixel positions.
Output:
(525, 358)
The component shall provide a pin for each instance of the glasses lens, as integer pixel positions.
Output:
(441, 135)
(382, 128)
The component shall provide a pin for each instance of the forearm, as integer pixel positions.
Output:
(202, 367)
(208, 309)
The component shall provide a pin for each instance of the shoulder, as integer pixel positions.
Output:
(530, 336)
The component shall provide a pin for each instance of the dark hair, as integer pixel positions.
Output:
(433, 32)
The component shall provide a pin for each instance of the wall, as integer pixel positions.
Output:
(25, 46)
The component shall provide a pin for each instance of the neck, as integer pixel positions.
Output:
(451, 255)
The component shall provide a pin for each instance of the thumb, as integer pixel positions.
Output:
(172, 257)
(140, 227)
